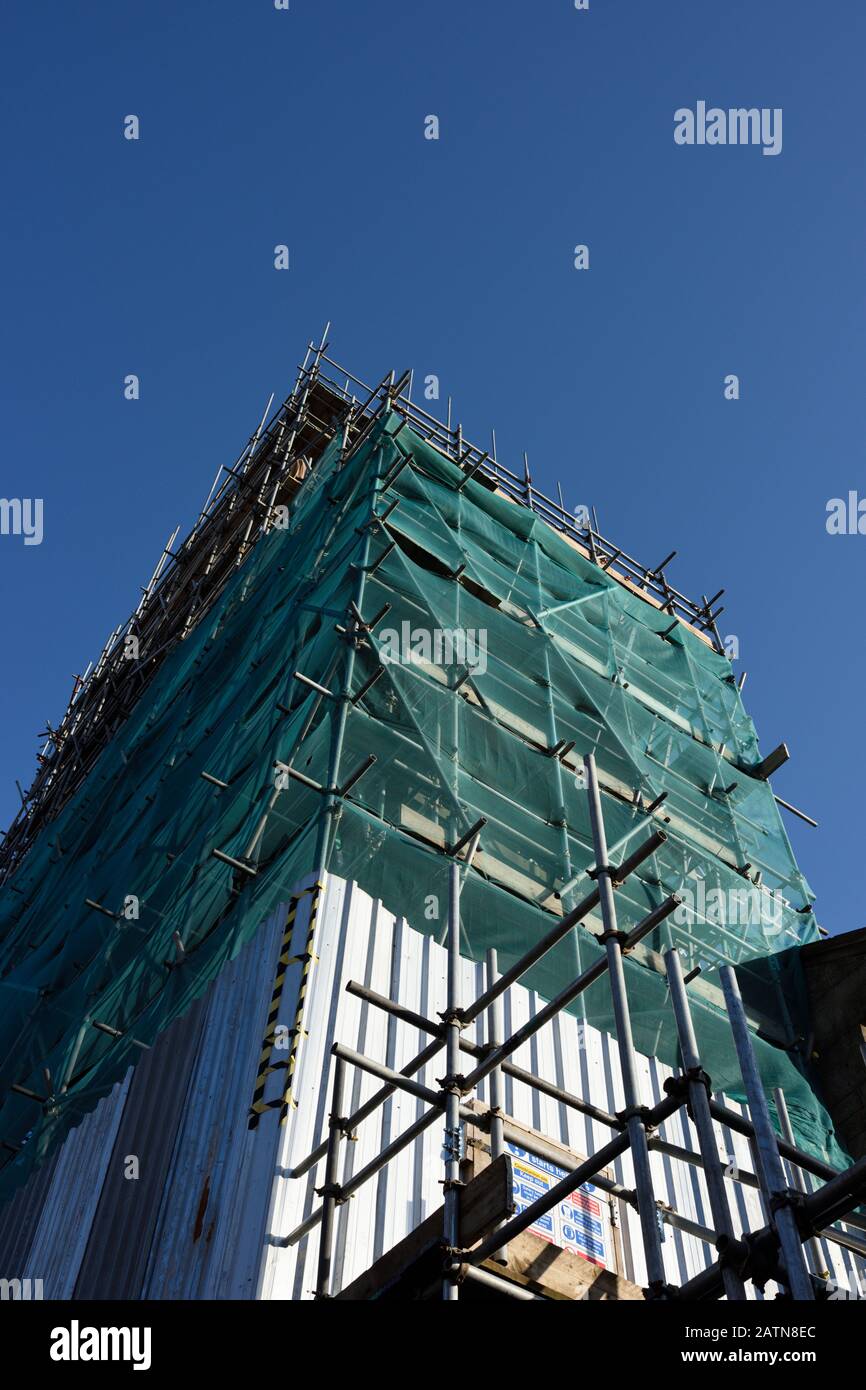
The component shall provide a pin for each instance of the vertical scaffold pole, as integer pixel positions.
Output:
(612, 939)
(452, 1087)
(771, 1174)
(331, 810)
(330, 1191)
(801, 1182)
(495, 1037)
(699, 1108)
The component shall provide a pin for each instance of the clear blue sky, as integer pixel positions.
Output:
(261, 127)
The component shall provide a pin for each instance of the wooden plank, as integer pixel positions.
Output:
(485, 1201)
(560, 1274)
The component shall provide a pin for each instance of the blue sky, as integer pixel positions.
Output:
(454, 256)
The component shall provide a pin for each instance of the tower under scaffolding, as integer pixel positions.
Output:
(390, 716)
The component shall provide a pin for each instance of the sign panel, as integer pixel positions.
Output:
(580, 1223)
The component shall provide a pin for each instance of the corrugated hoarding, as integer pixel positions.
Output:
(212, 1193)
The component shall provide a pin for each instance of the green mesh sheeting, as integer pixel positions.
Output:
(564, 654)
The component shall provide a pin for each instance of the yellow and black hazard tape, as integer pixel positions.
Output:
(288, 1099)
(265, 1067)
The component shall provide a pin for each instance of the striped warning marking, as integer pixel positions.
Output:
(265, 1066)
(308, 957)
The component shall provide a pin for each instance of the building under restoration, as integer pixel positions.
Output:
(391, 719)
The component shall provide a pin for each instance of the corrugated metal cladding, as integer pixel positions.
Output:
(359, 940)
(212, 1194)
(93, 1231)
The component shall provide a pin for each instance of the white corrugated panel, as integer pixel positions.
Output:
(208, 1234)
(70, 1203)
(357, 939)
(227, 1192)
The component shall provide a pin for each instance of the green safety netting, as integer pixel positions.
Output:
(501, 643)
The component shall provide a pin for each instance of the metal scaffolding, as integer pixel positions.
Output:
(326, 403)
(281, 456)
(795, 1215)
